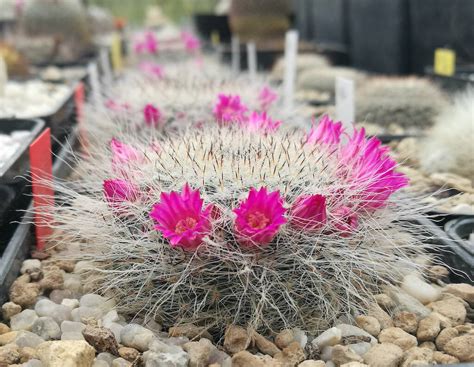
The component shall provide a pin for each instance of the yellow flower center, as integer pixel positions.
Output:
(185, 224)
(257, 220)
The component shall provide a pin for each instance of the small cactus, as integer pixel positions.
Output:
(411, 102)
(324, 79)
(448, 146)
(217, 225)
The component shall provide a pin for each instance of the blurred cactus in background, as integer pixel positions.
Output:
(55, 30)
(259, 20)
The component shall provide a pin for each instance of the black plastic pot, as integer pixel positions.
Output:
(386, 138)
(453, 253)
(440, 23)
(379, 35)
(463, 78)
(206, 24)
(304, 19)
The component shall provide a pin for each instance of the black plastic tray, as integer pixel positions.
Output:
(18, 164)
(18, 238)
(14, 252)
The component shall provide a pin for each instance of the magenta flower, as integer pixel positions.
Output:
(123, 153)
(327, 132)
(261, 122)
(308, 212)
(345, 221)
(152, 115)
(191, 42)
(148, 44)
(181, 218)
(229, 109)
(266, 98)
(151, 69)
(117, 191)
(259, 217)
(370, 171)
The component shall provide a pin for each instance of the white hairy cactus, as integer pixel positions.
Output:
(410, 102)
(449, 145)
(324, 79)
(301, 277)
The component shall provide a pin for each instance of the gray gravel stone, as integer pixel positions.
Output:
(47, 328)
(24, 320)
(59, 313)
(136, 336)
(72, 327)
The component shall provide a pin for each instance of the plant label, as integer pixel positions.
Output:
(345, 109)
(215, 38)
(93, 74)
(235, 50)
(116, 52)
(41, 168)
(3, 76)
(104, 59)
(252, 59)
(444, 62)
(291, 50)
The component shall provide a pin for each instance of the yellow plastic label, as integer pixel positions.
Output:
(116, 52)
(445, 62)
(215, 38)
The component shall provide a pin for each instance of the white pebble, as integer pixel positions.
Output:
(417, 288)
(24, 320)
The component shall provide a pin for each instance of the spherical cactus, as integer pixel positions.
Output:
(65, 21)
(409, 102)
(233, 224)
(448, 146)
(168, 89)
(303, 62)
(324, 79)
(259, 20)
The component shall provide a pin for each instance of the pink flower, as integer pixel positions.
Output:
(345, 221)
(327, 132)
(123, 153)
(152, 115)
(259, 217)
(229, 109)
(370, 171)
(261, 122)
(266, 98)
(181, 218)
(308, 212)
(117, 191)
(151, 69)
(191, 42)
(147, 44)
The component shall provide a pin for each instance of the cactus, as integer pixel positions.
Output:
(259, 20)
(171, 94)
(303, 62)
(64, 21)
(324, 79)
(409, 102)
(273, 230)
(448, 146)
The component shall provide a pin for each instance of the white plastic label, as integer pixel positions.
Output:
(3, 76)
(345, 109)
(104, 59)
(252, 59)
(235, 49)
(94, 81)
(291, 50)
